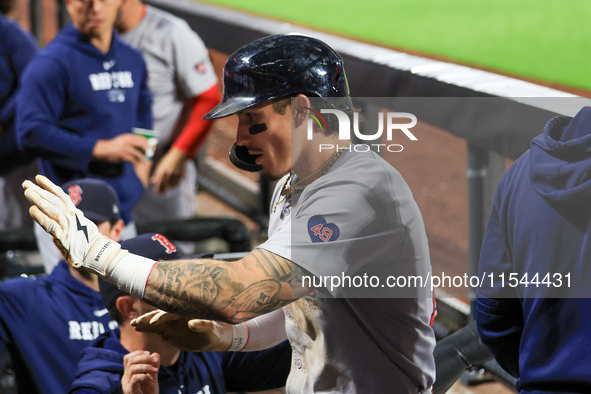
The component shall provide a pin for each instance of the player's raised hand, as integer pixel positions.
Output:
(77, 237)
(140, 373)
(124, 147)
(193, 335)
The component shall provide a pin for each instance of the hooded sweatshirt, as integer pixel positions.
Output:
(101, 368)
(45, 323)
(73, 95)
(17, 48)
(539, 224)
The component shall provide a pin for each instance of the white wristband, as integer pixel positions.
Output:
(130, 273)
(266, 331)
(260, 333)
(240, 337)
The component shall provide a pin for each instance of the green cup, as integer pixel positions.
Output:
(151, 136)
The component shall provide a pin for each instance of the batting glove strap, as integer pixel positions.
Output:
(102, 252)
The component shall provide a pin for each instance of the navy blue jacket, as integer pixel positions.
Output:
(73, 95)
(17, 48)
(101, 368)
(45, 323)
(540, 225)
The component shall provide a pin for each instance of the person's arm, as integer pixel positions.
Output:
(199, 335)
(499, 317)
(196, 80)
(217, 290)
(500, 326)
(227, 291)
(197, 129)
(170, 168)
(40, 102)
(22, 49)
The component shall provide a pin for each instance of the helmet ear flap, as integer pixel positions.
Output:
(240, 157)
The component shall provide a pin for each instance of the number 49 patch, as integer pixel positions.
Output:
(320, 231)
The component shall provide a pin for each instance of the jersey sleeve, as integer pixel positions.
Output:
(256, 371)
(197, 129)
(193, 68)
(39, 105)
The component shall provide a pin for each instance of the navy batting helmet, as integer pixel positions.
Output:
(279, 66)
(275, 67)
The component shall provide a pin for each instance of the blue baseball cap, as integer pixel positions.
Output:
(95, 198)
(151, 245)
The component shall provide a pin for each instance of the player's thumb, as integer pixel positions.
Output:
(200, 325)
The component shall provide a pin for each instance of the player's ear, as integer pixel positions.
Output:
(126, 306)
(69, 5)
(299, 105)
(116, 230)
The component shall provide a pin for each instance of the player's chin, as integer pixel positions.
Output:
(271, 176)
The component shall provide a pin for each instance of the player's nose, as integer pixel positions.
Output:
(242, 134)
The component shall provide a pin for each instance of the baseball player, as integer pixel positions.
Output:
(355, 215)
(122, 357)
(79, 100)
(184, 88)
(46, 322)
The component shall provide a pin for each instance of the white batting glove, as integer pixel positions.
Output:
(194, 335)
(200, 335)
(77, 237)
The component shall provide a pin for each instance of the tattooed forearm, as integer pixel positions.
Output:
(273, 265)
(228, 291)
(188, 287)
(170, 283)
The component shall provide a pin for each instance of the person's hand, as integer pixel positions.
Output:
(124, 147)
(140, 373)
(194, 335)
(169, 170)
(142, 170)
(74, 235)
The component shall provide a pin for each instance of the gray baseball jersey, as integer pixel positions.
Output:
(359, 218)
(179, 68)
(178, 65)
